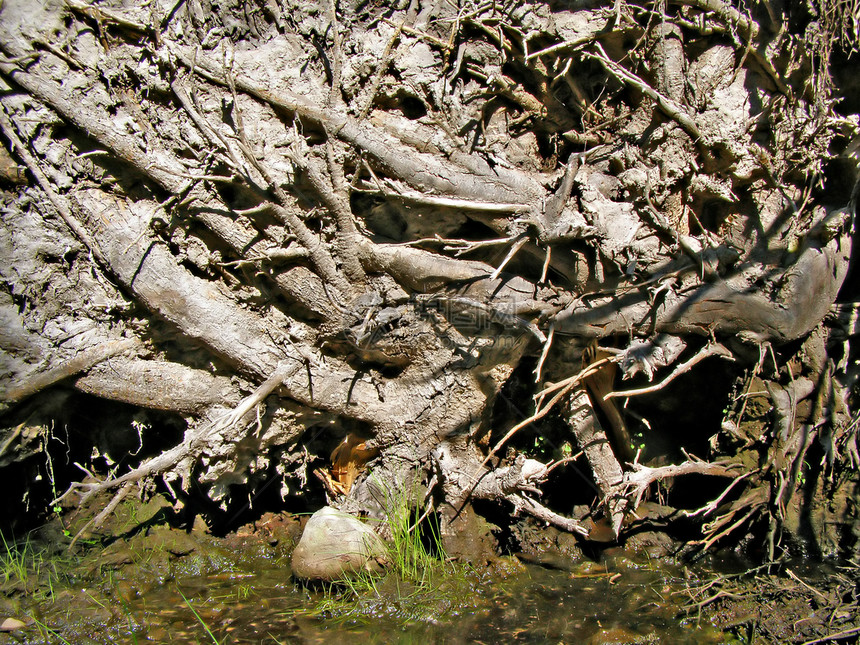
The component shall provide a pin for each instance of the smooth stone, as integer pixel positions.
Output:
(335, 545)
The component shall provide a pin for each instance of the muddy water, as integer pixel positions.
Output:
(178, 592)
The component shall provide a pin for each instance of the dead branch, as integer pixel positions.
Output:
(523, 504)
(394, 191)
(637, 480)
(298, 284)
(424, 172)
(215, 138)
(727, 13)
(599, 385)
(150, 271)
(711, 506)
(750, 503)
(423, 271)
(511, 483)
(670, 107)
(807, 290)
(711, 349)
(194, 444)
(835, 636)
(565, 387)
(168, 172)
(319, 254)
(106, 15)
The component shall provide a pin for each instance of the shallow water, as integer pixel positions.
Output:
(167, 599)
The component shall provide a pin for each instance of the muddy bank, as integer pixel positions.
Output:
(153, 582)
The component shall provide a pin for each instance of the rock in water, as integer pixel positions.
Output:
(335, 545)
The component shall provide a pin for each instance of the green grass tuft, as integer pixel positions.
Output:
(27, 571)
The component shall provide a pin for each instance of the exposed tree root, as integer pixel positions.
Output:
(388, 216)
(196, 443)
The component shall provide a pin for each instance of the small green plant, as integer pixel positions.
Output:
(24, 569)
(412, 558)
(15, 561)
(243, 592)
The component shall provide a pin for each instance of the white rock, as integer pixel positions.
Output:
(335, 545)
